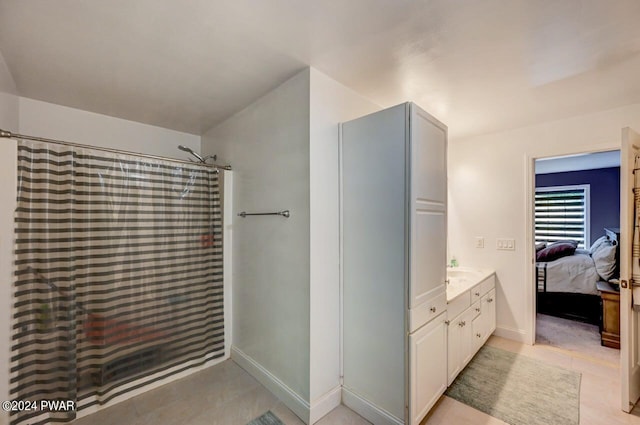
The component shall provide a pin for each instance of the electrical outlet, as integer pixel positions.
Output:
(504, 244)
(479, 242)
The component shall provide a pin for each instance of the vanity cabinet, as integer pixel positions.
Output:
(393, 197)
(471, 321)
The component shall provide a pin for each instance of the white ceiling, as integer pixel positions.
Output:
(478, 65)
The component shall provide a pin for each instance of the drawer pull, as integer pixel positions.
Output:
(433, 309)
(490, 300)
(446, 322)
(460, 324)
(478, 309)
(477, 294)
(479, 336)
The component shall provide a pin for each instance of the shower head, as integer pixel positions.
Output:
(196, 155)
(186, 149)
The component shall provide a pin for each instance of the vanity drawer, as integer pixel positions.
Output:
(476, 293)
(427, 311)
(457, 306)
(488, 284)
(476, 308)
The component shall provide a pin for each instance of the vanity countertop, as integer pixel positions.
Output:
(461, 279)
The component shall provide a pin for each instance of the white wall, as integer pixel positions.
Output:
(331, 103)
(51, 121)
(487, 194)
(8, 121)
(284, 153)
(267, 144)
(8, 99)
(7, 84)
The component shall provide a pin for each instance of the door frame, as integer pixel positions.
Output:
(629, 371)
(529, 191)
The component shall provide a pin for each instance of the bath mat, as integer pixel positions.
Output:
(266, 419)
(518, 390)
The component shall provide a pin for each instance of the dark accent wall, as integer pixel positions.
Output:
(604, 190)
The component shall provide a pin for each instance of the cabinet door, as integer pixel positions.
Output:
(486, 322)
(428, 198)
(454, 352)
(428, 376)
(456, 347)
(490, 310)
(466, 335)
(462, 345)
(428, 256)
(428, 157)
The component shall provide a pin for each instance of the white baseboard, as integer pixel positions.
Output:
(325, 404)
(510, 333)
(364, 408)
(292, 400)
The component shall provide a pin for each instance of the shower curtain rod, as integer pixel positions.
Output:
(9, 135)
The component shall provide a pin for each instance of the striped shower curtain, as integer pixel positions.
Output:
(118, 276)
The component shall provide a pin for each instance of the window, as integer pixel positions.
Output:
(562, 213)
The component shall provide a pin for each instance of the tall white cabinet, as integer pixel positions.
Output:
(394, 223)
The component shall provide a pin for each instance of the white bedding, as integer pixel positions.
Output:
(574, 273)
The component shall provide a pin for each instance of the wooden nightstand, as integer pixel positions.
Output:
(610, 319)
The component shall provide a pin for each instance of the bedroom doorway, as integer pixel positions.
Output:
(575, 228)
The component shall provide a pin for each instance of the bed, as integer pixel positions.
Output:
(566, 287)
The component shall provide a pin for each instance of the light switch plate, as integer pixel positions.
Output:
(479, 242)
(505, 244)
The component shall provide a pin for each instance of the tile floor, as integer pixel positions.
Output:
(225, 394)
(221, 395)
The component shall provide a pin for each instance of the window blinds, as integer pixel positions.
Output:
(562, 213)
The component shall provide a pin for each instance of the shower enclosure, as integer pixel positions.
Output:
(118, 274)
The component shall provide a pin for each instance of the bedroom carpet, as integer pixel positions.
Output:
(578, 337)
(518, 389)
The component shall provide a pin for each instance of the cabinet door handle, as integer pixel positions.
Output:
(478, 309)
(490, 300)
(446, 322)
(460, 324)
(433, 309)
(479, 336)
(477, 294)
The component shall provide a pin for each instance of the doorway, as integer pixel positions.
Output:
(575, 227)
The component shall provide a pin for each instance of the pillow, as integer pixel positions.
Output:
(605, 260)
(556, 250)
(540, 245)
(569, 241)
(598, 243)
